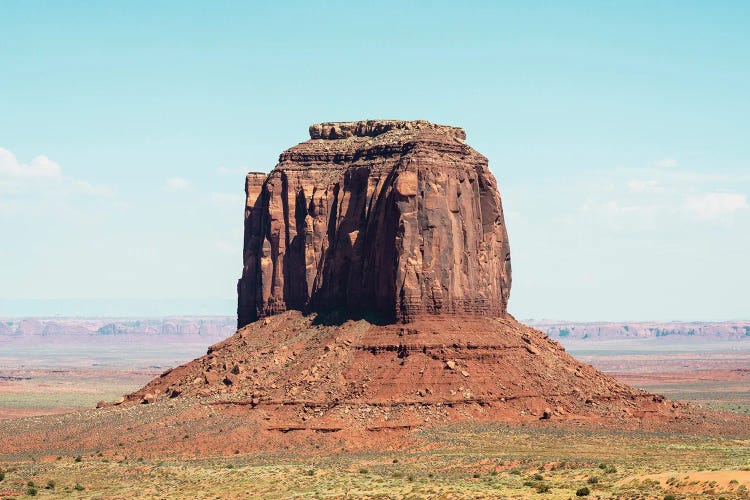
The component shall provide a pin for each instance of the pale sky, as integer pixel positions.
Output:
(618, 133)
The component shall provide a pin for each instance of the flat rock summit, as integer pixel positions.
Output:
(374, 293)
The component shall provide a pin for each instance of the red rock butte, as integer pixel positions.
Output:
(373, 296)
(384, 219)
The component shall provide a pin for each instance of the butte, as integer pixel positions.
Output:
(374, 292)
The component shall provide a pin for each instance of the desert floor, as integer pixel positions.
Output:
(478, 461)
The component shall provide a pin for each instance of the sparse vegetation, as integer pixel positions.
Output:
(542, 488)
(456, 461)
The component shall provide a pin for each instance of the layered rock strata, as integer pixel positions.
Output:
(389, 220)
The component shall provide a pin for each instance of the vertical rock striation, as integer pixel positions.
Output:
(386, 219)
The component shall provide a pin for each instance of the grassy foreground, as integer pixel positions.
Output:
(452, 462)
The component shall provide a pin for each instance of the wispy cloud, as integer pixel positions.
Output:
(85, 187)
(712, 206)
(178, 184)
(666, 163)
(640, 197)
(644, 186)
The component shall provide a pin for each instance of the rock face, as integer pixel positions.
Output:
(390, 220)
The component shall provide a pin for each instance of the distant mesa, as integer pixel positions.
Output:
(385, 219)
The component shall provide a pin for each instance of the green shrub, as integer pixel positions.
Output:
(537, 477)
(51, 484)
(515, 472)
(78, 487)
(398, 474)
(583, 492)
(670, 496)
(610, 470)
(77, 459)
(542, 488)
(529, 483)
(2, 476)
(32, 491)
(602, 466)
(363, 471)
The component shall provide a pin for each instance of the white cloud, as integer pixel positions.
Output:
(85, 187)
(176, 184)
(658, 194)
(666, 163)
(644, 186)
(42, 176)
(715, 205)
(39, 167)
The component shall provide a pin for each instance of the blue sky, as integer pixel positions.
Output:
(618, 133)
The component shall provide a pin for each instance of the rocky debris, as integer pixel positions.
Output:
(386, 219)
(310, 374)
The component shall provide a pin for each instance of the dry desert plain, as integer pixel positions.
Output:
(42, 382)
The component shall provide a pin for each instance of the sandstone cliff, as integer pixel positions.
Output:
(388, 220)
